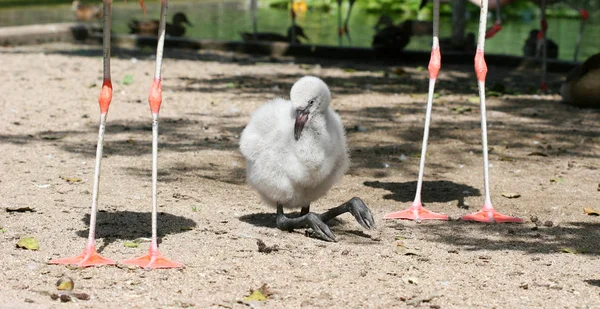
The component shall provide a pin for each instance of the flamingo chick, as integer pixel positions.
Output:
(295, 151)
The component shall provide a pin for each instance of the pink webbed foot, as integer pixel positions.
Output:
(153, 260)
(417, 213)
(90, 257)
(489, 214)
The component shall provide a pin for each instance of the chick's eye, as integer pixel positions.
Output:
(311, 102)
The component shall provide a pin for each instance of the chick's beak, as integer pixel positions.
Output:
(301, 118)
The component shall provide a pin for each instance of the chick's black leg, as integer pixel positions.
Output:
(310, 219)
(357, 208)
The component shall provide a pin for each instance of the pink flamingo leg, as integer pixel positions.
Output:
(416, 211)
(544, 29)
(154, 259)
(584, 16)
(497, 25)
(487, 213)
(293, 15)
(346, 21)
(90, 256)
(340, 29)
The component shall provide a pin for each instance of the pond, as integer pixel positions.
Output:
(214, 19)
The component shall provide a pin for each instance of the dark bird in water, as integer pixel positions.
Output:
(467, 45)
(86, 12)
(150, 27)
(394, 38)
(533, 46)
(582, 86)
(276, 37)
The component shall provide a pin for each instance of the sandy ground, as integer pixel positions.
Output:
(210, 220)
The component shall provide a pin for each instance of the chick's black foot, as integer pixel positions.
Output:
(311, 220)
(357, 208)
(316, 222)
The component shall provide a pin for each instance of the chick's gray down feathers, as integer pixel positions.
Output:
(293, 172)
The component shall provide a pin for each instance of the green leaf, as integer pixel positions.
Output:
(462, 109)
(568, 250)
(70, 179)
(473, 99)
(128, 79)
(65, 284)
(537, 153)
(511, 195)
(131, 244)
(28, 243)
(256, 295)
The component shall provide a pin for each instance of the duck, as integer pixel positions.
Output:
(468, 44)
(532, 47)
(86, 12)
(295, 151)
(150, 27)
(392, 37)
(276, 37)
(582, 85)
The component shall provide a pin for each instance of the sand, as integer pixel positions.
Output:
(210, 220)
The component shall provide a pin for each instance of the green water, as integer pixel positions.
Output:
(214, 19)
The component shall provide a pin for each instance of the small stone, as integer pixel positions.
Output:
(346, 252)
(65, 298)
(524, 286)
(548, 224)
(534, 218)
(82, 296)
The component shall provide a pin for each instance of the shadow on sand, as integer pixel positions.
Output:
(129, 225)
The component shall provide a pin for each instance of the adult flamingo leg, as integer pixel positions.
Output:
(340, 29)
(90, 256)
(487, 213)
(584, 16)
(153, 259)
(416, 211)
(347, 20)
(544, 45)
(497, 26)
